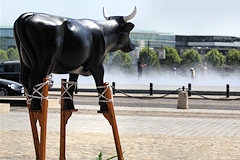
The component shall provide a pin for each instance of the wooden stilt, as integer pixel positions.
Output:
(33, 121)
(41, 116)
(65, 115)
(110, 116)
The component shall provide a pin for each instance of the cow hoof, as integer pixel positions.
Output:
(103, 107)
(35, 109)
(35, 105)
(68, 104)
(102, 111)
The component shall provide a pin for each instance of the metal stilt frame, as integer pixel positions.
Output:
(65, 115)
(110, 116)
(41, 116)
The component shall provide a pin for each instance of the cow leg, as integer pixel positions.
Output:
(24, 75)
(40, 71)
(68, 103)
(36, 77)
(28, 78)
(36, 102)
(98, 73)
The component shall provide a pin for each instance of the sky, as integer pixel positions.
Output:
(181, 17)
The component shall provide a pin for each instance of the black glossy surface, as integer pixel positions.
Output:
(51, 44)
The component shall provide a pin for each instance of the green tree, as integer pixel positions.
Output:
(3, 56)
(106, 60)
(122, 59)
(150, 57)
(172, 57)
(191, 58)
(128, 61)
(215, 58)
(12, 54)
(233, 58)
(118, 58)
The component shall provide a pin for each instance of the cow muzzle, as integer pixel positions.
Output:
(130, 47)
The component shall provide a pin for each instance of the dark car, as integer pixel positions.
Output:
(11, 70)
(10, 88)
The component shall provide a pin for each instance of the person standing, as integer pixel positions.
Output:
(140, 66)
(205, 70)
(174, 71)
(193, 74)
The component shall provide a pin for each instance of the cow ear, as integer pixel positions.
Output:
(127, 27)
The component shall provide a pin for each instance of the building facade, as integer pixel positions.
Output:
(6, 38)
(203, 44)
(156, 40)
(153, 39)
(141, 39)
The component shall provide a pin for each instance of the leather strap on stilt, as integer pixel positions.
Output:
(102, 95)
(66, 89)
(36, 90)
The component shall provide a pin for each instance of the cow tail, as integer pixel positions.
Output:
(23, 41)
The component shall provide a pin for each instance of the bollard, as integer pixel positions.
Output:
(189, 89)
(227, 91)
(76, 89)
(151, 89)
(113, 88)
(182, 100)
(183, 88)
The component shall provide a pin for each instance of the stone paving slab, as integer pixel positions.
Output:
(164, 112)
(178, 126)
(142, 137)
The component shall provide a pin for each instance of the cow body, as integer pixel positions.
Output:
(51, 44)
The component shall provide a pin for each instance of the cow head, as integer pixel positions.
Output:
(121, 32)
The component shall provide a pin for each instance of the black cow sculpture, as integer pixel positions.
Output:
(51, 44)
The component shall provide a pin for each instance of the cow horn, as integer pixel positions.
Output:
(127, 18)
(105, 15)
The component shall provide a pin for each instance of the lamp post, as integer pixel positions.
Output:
(148, 56)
